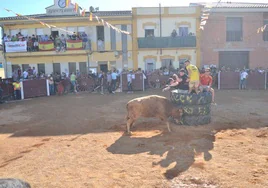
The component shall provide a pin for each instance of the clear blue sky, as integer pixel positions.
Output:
(26, 7)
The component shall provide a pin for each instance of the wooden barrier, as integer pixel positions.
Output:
(231, 80)
(34, 88)
(137, 83)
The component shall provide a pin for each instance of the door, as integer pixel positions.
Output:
(104, 68)
(54, 33)
(234, 59)
(83, 67)
(149, 64)
(56, 68)
(72, 68)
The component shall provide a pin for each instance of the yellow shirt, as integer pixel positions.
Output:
(16, 86)
(194, 72)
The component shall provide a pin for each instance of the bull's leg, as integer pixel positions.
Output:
(129, 124)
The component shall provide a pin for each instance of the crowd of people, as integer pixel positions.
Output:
(189, 80)
(59, 41)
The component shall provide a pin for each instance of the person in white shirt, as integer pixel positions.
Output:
(114, 78)
(25, 74)
(129, 82)
(243, 79)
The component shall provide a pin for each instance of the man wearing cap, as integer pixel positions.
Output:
(206, 83)
(193, 74)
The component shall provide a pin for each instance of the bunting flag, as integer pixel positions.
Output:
(90, 16)
(67, 3)
(83, 12)
(76, 7)
(104, 23)
(97, 19)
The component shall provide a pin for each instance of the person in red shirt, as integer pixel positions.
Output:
(206, 82)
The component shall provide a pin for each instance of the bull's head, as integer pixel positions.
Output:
(176, 113)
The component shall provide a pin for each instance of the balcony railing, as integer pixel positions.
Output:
(24, 46)
(167, 42)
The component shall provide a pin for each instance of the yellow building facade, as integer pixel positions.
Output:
(116, 47)
(154, 45)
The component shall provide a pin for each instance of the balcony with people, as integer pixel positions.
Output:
(39, 43)
(181, 39)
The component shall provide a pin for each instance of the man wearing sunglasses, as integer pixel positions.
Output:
(206, 83)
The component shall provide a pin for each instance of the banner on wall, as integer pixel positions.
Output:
(16, 46)
(46, 46)
(74, 45)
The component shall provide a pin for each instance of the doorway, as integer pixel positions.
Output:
(104, 68)
(54, 33)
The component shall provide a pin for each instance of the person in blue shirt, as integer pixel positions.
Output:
(114, 78)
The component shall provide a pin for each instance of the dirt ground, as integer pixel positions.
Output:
(78, 141)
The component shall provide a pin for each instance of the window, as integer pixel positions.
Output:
(149, 32)
(166, 63)
(265, 32)
(39, 32)
(83, 67)
(183, 31)
(234, 29)
(150, 64)
(181, 62)
(56, 68)
(100, 38)
(41, 68)
(113, 39)
(14, 32)
(24, 32)
(72, 68)
(25, 67)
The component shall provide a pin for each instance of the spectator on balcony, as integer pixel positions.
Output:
(46, 38)
(100, 45)
(74, 36)
(14, 38)
(174, 33)
(63, 41)
(57, 43)
(34, 40)
(29, 44)
(84, 40)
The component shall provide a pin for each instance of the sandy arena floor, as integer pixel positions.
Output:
(77, 141)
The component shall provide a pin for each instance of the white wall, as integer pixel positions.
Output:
(168, 24)
(176, 53)
(49, 68)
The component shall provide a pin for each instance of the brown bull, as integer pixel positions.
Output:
(151, 106)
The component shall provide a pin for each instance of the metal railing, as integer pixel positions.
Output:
(167, 42)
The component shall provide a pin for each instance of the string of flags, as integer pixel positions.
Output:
(83, 14)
